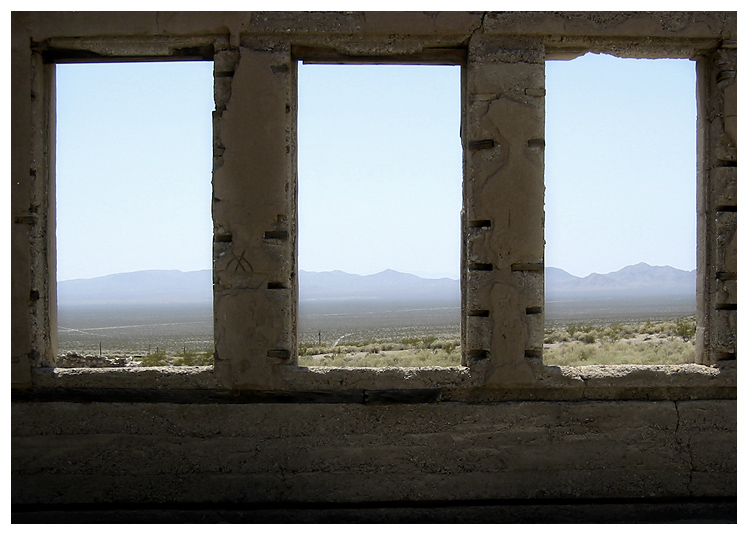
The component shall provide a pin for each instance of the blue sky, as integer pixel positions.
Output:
(379, 167)
(134, 151)
(620, 163)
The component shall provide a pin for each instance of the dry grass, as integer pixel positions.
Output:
(403, 358)
(664, 342)
(656, 351)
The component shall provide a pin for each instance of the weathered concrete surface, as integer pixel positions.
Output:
(688, 25)
(717, 244)
(136, 453)
(504, 138)
(20, 191)
(501, 427)
(676, 382)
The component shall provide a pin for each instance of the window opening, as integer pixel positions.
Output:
(620, 211)
(379, 200)
(134, 228)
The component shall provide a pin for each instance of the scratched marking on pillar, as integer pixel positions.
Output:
(241, 263)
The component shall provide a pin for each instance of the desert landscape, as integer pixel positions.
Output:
(639, 315)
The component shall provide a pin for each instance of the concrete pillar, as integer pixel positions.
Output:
(33, 297)
(23, 219)
(503, 216)
(253, 212)
(717, 206)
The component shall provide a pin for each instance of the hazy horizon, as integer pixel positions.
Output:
(374, 273)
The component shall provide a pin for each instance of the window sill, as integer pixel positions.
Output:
(198, 384)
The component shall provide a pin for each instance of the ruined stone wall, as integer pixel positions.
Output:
(258, 428)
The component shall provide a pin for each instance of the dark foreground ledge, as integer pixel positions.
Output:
(125, 395)
(691, 511)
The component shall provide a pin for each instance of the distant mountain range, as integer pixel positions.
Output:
(388, 285)
(632, 280)
(156, 286)
(194, 287)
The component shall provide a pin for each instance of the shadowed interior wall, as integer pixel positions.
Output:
(256, 429)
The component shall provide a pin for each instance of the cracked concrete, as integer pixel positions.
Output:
(256, 428)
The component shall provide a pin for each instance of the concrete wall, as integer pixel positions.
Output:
(256, 428)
